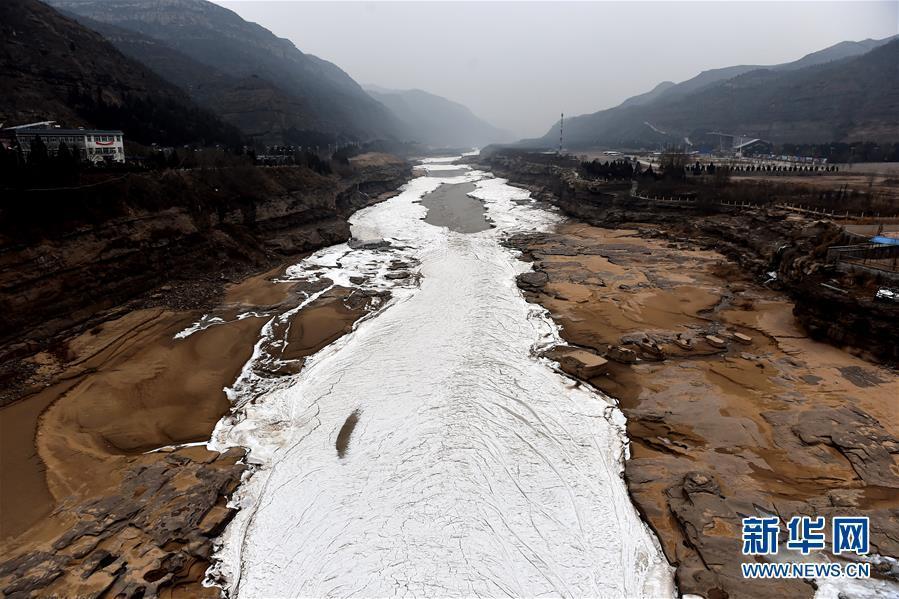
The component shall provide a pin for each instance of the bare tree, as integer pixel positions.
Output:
(723, 173)
(673, 163)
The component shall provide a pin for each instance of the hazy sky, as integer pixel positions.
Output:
(519, 64)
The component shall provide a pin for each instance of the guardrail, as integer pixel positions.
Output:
(798, 208)
(873, 257)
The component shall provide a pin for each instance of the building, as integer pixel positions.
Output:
(752, 147)
(92, 145)
(731, 144)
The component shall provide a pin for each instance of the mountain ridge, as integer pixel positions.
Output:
(53, 68)
(838, 51)
(261, 83)
(764, 102)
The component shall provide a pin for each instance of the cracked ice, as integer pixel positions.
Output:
(474, 469)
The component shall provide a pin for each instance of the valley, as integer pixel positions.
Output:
(317, 300)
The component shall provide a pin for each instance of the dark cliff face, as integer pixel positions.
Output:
(52, 68)
(760, 241)
(253, 79)
(169, 239)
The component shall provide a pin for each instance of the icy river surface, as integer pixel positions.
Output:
(474, 468)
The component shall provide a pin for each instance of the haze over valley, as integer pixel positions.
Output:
(530, 63)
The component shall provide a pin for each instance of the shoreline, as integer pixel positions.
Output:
(831, 303)
(104, 417)
(443, 425)
(701, 422)
(173, 241)
(771, 423)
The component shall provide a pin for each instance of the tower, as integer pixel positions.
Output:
(561, 132)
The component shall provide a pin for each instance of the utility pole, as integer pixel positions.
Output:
(561, 132)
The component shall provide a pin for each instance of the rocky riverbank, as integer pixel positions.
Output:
(173, 240)
(98, 496)
(733, 408)
(760, 240)
(429, 450)
(107, 489)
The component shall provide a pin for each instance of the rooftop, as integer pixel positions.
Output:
(60, 131)
(748, 142)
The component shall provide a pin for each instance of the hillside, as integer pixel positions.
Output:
(53, 68)
(651, 96)
(261, 83)
(837, 94)
(838, 51)
(435, 121)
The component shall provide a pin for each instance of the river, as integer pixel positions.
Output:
(467, 464)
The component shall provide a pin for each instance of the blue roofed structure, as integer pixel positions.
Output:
(886, 240)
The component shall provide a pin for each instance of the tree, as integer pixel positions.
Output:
(66, 160)
(721, 175)
(673, 164)
(38, 156)
(64, 165)
(9, 166)
(63, 155)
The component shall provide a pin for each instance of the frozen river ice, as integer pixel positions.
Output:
(473, 468)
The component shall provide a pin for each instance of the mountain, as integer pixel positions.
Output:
(839, 51)
(844, 92)
(668, 90)
(435, 121)
(257, 107)
(53, 68)
(650, 96)
(259, 82)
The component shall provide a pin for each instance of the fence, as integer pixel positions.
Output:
(836, 214)
(874, 258)
(797, 208)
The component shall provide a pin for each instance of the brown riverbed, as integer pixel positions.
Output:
(779, 423)
(85, 508)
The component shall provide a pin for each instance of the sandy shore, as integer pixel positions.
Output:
(772, 422)
(85, 507)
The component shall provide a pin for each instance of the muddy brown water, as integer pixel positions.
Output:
(450, 206)
(24, 496)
